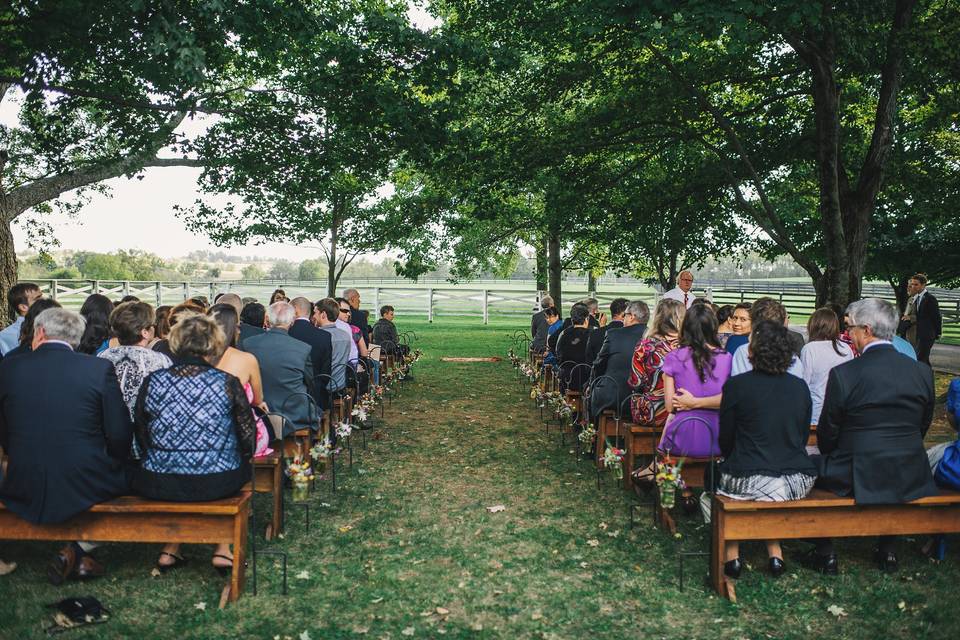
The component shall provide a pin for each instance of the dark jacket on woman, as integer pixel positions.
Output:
(66, 430)
(196, 430)
(876, 411)
(614, 359)
(571, 351)
(764, 425)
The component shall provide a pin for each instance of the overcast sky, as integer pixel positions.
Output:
(139, 213)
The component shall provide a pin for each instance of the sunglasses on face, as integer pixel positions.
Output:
(344, 310)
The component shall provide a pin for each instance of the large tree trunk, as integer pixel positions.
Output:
(332, 275)
(541, 264)
(591, 283)
(8, 268)
(899, 287)
(555, 268)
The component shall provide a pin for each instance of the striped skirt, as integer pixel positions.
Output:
(766, 488)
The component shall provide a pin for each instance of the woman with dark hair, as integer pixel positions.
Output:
(764, 426)
(244, 366)
(26, 329)
(739, 326)
(844, 337)
(182, 310)
(572, 349)
(253, 317)
(96, 311)
(695, 373)
(725, 328)
(823, 352)
(278, 295)
(163, 324)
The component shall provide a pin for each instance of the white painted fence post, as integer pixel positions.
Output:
(430, 305)
(126, 288)
(53, 290)
(186, 290)
(486, 301)
(213, 292)
(376, 300)
(158, 288)
(96, 286)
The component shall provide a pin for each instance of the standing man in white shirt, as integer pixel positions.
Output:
(682, 291)
(19, 299)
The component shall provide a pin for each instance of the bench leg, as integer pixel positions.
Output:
(238, 577)
(277, 521)
(718, 545)
(629, 462)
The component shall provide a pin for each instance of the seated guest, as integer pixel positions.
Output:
(163, 325)
(945, 458)
(66, 432)
(359, 353)
(593, 313)
(646, 377)
(286, 369)
(253, 319)
(615, 357)
(538, 326)
(133, 325)
(739, 327)
(822, 353)
(244, 367)
(202, 302)
(231, 299)
(279, 295)
(195, 428)
(870, 431)
(26, 327)
(359, 318)
(343, 323)
(185, 308)
(385, 332)
(321, 346)
(618, 307)
(325, 315)
(769, 309)
(553, 333)
(725, 328)
(19, 299)
(572, 349)
(764, 426)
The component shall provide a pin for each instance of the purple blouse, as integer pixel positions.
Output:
(694, 433)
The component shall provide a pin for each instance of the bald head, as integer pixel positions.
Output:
(302, 307)
(233, 300)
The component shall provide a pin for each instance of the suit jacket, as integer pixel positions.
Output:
(248, 331)
(360, 318)
(614, 360)
(66, 430)
(538, 331)
(929, 319)
(286, 368)
(321, 351)
(876, 410)
(595, 341)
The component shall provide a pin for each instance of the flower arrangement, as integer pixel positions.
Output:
(343, 429)
(587, 433)
(613, 460)
(528, 371)
(301, 475)
(669, 480)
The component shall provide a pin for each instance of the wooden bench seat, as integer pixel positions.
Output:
(135, 519)
(268, 478)
(641, 441)
(822, 515)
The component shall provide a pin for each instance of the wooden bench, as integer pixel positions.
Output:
(607, 427)
(695, 474)
(822, 515)
(135, 519)
(268, 478)
(641, 442)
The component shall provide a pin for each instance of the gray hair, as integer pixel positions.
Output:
(302, 307)
(546, 302)
(280, 314)
(61, 324)
(349, 293)
(875, 313)
(592, 303)
(639, 310)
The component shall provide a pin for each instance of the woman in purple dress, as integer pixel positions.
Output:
(693, 377)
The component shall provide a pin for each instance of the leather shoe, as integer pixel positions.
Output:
(88, 568)
(887, 561)
(776, 567)
(732, 568)
(63, 565)
(827, 565)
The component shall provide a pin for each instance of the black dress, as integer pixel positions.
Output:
(571, 351)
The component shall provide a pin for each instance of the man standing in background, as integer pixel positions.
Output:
(682, 291)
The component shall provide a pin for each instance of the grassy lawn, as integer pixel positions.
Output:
(407, 547)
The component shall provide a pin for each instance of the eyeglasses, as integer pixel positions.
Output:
(344, 310)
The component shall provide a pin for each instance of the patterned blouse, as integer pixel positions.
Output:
(646, 379)
(133, 364)
(196, 429)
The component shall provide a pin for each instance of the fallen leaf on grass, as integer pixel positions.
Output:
(303, 575)
(202, 606)
(155, 573)
(593, 543)
(584, 565)
(476, 626)
(376, 601)
(442, 612)
(837, 611)
(536, 615)
(345, 528)
(409, 631)
(497, 508)
(424, 614)
(901, 605)
(603, 525)
(360, 630)
(304, 635)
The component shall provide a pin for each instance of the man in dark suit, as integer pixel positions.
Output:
(615, 357)
(876, 411)
(538, 326)
(618, 307)
(66, 431)
(320, 346)
(927, 320)
(360, 318)
(286, 368)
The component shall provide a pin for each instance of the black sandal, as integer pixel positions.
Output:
(223, 570)
(178, 561)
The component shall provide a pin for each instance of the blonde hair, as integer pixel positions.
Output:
(667, 319)
(197, 336)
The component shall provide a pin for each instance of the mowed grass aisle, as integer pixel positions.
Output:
(407, 547)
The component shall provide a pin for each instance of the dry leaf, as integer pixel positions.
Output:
(837, 611)
(304, 635)
(155, 573)
(593, 543)
(476, 626)
(497, 508)
(603, 525)
(345, 528)
(303, 575)
(409, 631)
(901, 605)
(360, 630)
(424, 614)
(442, 612)
(202, 606)
(376, 601)
(584, 565)
(536, 615)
